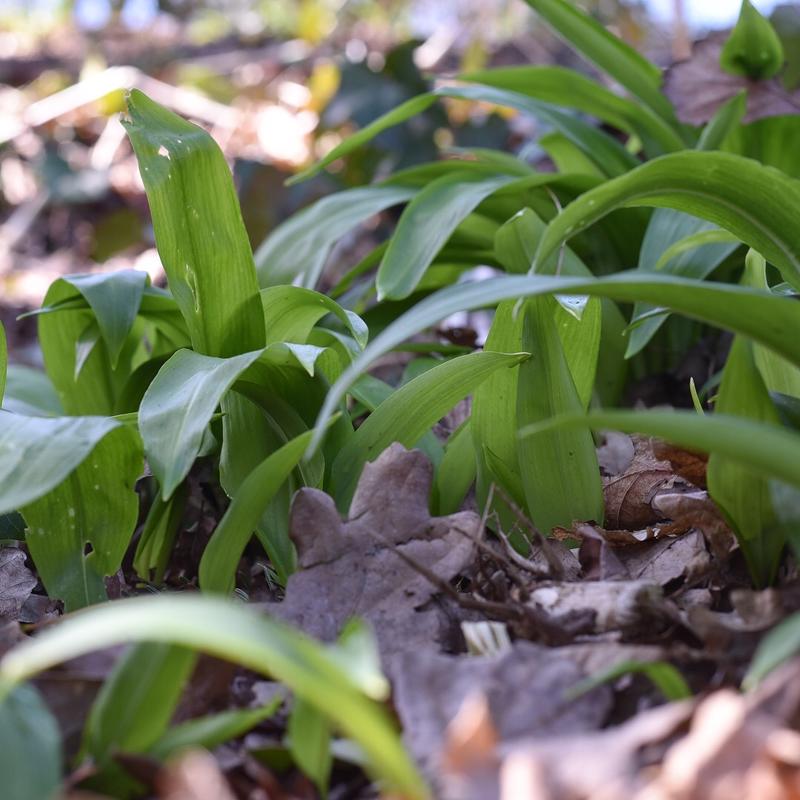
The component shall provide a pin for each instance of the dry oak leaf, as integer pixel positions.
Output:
(16, 582)
(352, 568)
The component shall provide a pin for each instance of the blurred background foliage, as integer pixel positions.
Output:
(278, 83)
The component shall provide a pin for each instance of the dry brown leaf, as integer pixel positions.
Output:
(351, 568)
(698, 86)
(16, 582)
(194, 775)
(690, 466)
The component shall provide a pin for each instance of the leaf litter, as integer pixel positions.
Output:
(483, 646)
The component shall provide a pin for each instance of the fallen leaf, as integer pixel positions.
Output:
(194, 775)
(16, 582)
(352, 568)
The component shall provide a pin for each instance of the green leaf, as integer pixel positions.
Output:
(408, 413)
(223, 551)
(41, 452)
(160, 529)
(30, 392)
(309, 734)
(607, 153)
(666, 678)
(456, 472)
(742, 492)
(30, 747)
(137, 700)
(778, 646)
(177, 407)
(211, 731)
(770, 449)
(768, 319)
(114, 298)
(567, 87)
(426, 224)
(301, 245)
(200, 235)
(240, 634)
(567, 157)
(753, 202)
(290, 312)
(607, 52)
(559, 469)
(78, 532)
(726, 120)
(769, 140)
(753, 49)
(410, 108)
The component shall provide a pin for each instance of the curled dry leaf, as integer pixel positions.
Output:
(194, 775)
(351, 568)
(16, 582)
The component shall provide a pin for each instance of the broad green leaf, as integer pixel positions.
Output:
(160, 529)
(694, 241)
(769, 140)
(410, 411)
(114, 298)
(39, 453)
(559, 469)
(770, 449)
(742, 492)
(666, 678)
(177, 407)
(30, 747)
(426, 224)
(753, 49)
(200, 235)
(78, 532)
(768, 319)
(753, 202)
(211, 731)
(607, 52)
(568, 87)
(778, 646)
(137, 700)
(290, 312)
(30, 392)
(240, 634)
(456, 472)
(301, 245)
(566, 156)
(309, 734)
(223, 551)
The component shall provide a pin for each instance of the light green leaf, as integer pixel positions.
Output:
(410, 411)
(290, 312)
(160, 529)
(426, 224)
(177, 407)
(456, 472)
(239, 634)
(301, 245)
(768, 319)
(753, 202)
(114, 298)
(568, 87)
(559, 469)
(753, 49)
(725, 121)
(30, 392)
(30, 747)
(211, 731)
(78, 532)
(223, 551)
(200, 235)
(39, 453)
(137, 700)
(309, 734)
(607, 52)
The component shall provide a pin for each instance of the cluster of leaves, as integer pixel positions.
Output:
(243, 361)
